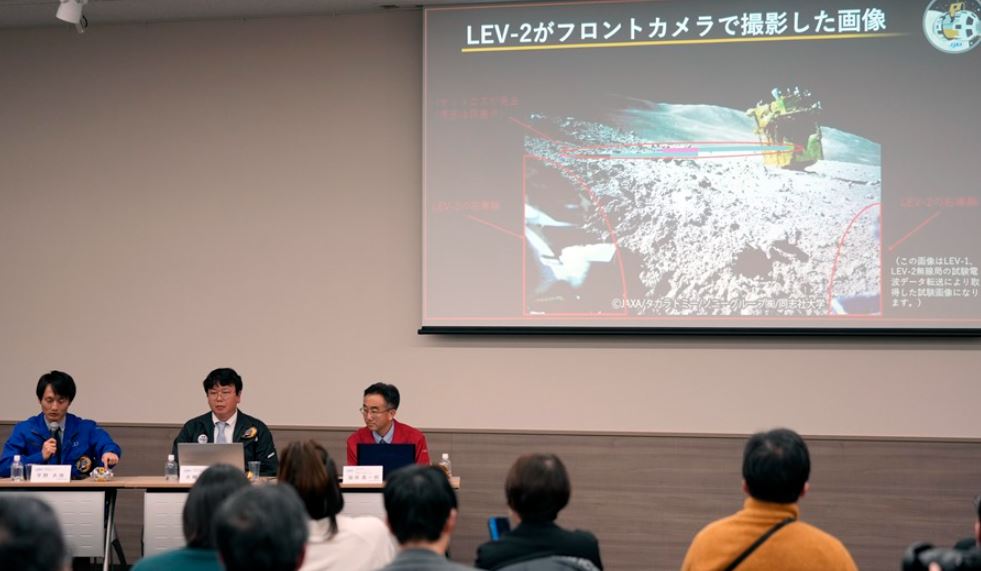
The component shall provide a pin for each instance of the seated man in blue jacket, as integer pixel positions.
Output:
(57, 437)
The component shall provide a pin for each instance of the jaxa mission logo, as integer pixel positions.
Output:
(953, 27)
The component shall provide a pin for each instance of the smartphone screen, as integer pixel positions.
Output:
(498, 526)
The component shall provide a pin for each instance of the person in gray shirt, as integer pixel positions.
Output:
(422, 512)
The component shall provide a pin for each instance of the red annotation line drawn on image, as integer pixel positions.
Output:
(496, 227)
(532, 129)
(841, 243)
(606, 222)
(592, 196)
(915, 230)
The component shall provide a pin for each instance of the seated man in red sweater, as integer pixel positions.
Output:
(381, 403)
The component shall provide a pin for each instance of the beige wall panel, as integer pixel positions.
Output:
(178, 197)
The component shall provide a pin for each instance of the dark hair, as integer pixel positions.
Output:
(418, 501)
(388, 392)
(223, 377)
(62, 384)
(261, 528)
(776, 465)
(311, 471)
(30, 537)
(537, 487)
(212, 487)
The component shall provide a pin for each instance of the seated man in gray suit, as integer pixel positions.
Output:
(226, 423)
(421, 508)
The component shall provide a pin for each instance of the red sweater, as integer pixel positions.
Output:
(404, 434)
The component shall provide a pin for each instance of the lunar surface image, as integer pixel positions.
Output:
(700, 210)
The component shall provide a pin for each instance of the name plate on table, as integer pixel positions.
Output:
(55, 473)
(363, 474)
(189, 474)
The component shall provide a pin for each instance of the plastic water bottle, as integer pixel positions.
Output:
(445, 465)
(170, 469)
(17, 469)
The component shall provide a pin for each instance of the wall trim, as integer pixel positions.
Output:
(582, 433)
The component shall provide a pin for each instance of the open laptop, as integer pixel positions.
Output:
(390, 457)
(193, 454)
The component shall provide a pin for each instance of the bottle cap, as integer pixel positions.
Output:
(446, 455)
(170, 457)
(16, 457)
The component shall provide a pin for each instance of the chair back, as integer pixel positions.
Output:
(553, 563)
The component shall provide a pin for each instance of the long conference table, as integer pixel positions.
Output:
(86, 509)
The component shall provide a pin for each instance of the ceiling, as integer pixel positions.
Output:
(32, 13)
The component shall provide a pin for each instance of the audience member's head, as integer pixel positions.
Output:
(212, 487)
(977, 522)
(311, 471)
(776, 466)
(537, 487)
(262, 528)
(30, 537)
(421, 506)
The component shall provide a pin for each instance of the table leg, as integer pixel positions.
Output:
(110, 527)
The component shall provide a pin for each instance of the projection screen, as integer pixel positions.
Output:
(703, 165)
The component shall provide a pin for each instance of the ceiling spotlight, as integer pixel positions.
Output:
(71, 11)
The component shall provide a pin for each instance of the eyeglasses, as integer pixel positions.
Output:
(373, 411)
(222, 394)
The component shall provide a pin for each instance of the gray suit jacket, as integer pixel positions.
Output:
(422, 560)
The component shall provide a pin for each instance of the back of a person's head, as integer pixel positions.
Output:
(261, 528)
(311, 471)
(30, 537)
(418, 502)
(212, 487)
(537, 487)
(776, 465)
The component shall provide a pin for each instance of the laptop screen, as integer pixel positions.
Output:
(193, 454)
(390, 457)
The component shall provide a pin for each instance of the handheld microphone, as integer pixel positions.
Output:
(55, 429)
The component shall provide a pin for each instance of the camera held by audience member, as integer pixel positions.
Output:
(963, 556)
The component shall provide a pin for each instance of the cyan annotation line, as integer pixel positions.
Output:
(692, 151)
(812, 37)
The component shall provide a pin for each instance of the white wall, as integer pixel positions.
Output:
(179, 197)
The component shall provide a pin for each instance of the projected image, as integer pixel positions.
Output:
(700, 164)
(674, 209)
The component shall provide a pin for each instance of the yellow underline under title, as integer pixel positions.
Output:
(812, 37)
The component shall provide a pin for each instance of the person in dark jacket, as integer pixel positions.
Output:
(226, 423)
(537, 488)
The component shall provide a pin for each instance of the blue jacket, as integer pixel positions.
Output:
(83, 439)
